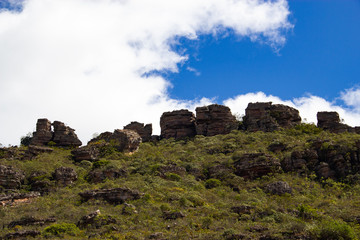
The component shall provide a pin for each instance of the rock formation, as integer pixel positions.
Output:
(145, 131)
(214, 119)
(278, 188)
(115, 195)
(100, 175)
(15, 198)
(331, 121)
(34, 151)
(65, 176)
(62, 135)
(123, 140)
(94, 220)
(263, 116)
(177, 124)
(90, 152)
(10, 178)
(31, 221)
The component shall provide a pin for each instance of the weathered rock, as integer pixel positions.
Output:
(177, 124)
(278, 188)
(64, 135)
(65, 176)
(214, 119)
(10, 178)
(243, 209)
(123, 140)
(39, 182)
(16, 198)
(266, 117)
(129, 209)
(9, 152)
(169, 215)
(31, 221)
(277, 147)
(100, 175)
(254, 165)
(145, 131)
(43, 134)
(115, 195)
(94, 220)
(22, 234)
(90, 152)
(301, 162)
(34, 151)
(331, 121)
(324, 171)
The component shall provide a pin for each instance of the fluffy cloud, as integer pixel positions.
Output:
(88, 62)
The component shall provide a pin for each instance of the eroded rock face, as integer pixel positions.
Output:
(301, 161)
(94, 221)
(263, 116)
(89, 152)
(34, 151)
(24, 234)
(10, 178)
(65, 176)
(331, 121)
(62, 135)
(123, 140)
(100, 175)
(17, 198)
(177, 124)
(145, 131)
(115, 195)
(278, 188)
(31, 221)
(214, 119)
(254, 165)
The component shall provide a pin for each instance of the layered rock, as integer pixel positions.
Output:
(254, 165)
(17, 198)
(278, 188)
(263, 116)
(94, 220)
(31, 221)
(301, 162)
(145, 131)
(10, 178)
(24, 234)
(331, 121)
(34, 151)
(115, 195)
(89, 152)
(214, 119)
(123, 140)
(65, 176)
(62, 134)
(178, 124)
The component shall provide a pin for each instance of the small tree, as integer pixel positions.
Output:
(26, 140)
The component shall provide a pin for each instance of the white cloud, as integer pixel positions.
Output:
(83, 61)
(351, 97)
(308, 106)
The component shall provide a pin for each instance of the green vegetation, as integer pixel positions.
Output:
(206, 192)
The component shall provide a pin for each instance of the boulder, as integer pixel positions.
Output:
(65, 176)
(24, 234)
(122, 140)
(43, 134)
(301, 162)
(331, 121)
(114, 195)
(30, 221)
(16, 198)
(278, 188)
(263, 116)
(145, 131)
(39, 182)
(90, 153)
(10, 178)
(170, 215)
(64, 135)
(94, 220)
(100, 175)
(214, 119)
(34, 151)
(254, 165)
(323, 170)
(177, 124)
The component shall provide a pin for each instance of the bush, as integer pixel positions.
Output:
(61, 230)
(334, 230)
(26, 140)
(212, 183)
(173, 177)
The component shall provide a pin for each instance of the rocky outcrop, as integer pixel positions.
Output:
(17, 198)
(95, 220)
(39, 182)
(177, 124)
(331, 121)
(100, 175)
(214, 119)
(34, 151)
(302, 162)
(114, 196)
(62, 135)
(65, 176)
(10, 178)
(24, 234)
(263, 116)
(90, 153)
(122, 140)
(278, 188)
(170, 215)
(31, 221)
(254, 165)
(145, 131)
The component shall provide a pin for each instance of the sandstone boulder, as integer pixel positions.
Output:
(177, 124)
(278, 188)
(123, 140)
(39, 182)
(94, 221)
(331, 121)
(30, 221)
(24, 234)
(214, 119)
(145, 131)
(17, 198)
(43, 134)
(10, 178)
(263, 116)
(90, 152)
(65, 176)
(34, 151)
(115, 195)
(301, 162)
(254, 165)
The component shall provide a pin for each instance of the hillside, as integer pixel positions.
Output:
(296, 183)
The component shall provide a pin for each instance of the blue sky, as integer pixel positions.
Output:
(321, 57)
(95, 64)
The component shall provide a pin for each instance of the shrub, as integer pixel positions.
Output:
(25, 140)
(173, 177)
(212, 183)
(61, 230)
(334, 230)
(100, 163)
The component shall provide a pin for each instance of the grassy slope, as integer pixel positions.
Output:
(317, 209)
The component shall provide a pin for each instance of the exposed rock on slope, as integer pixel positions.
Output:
(177, 124)
(65, 176)
(263, 116)
(10, 178)
(214, 119)
(115, 195)
(331, 121)
(145, 131)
